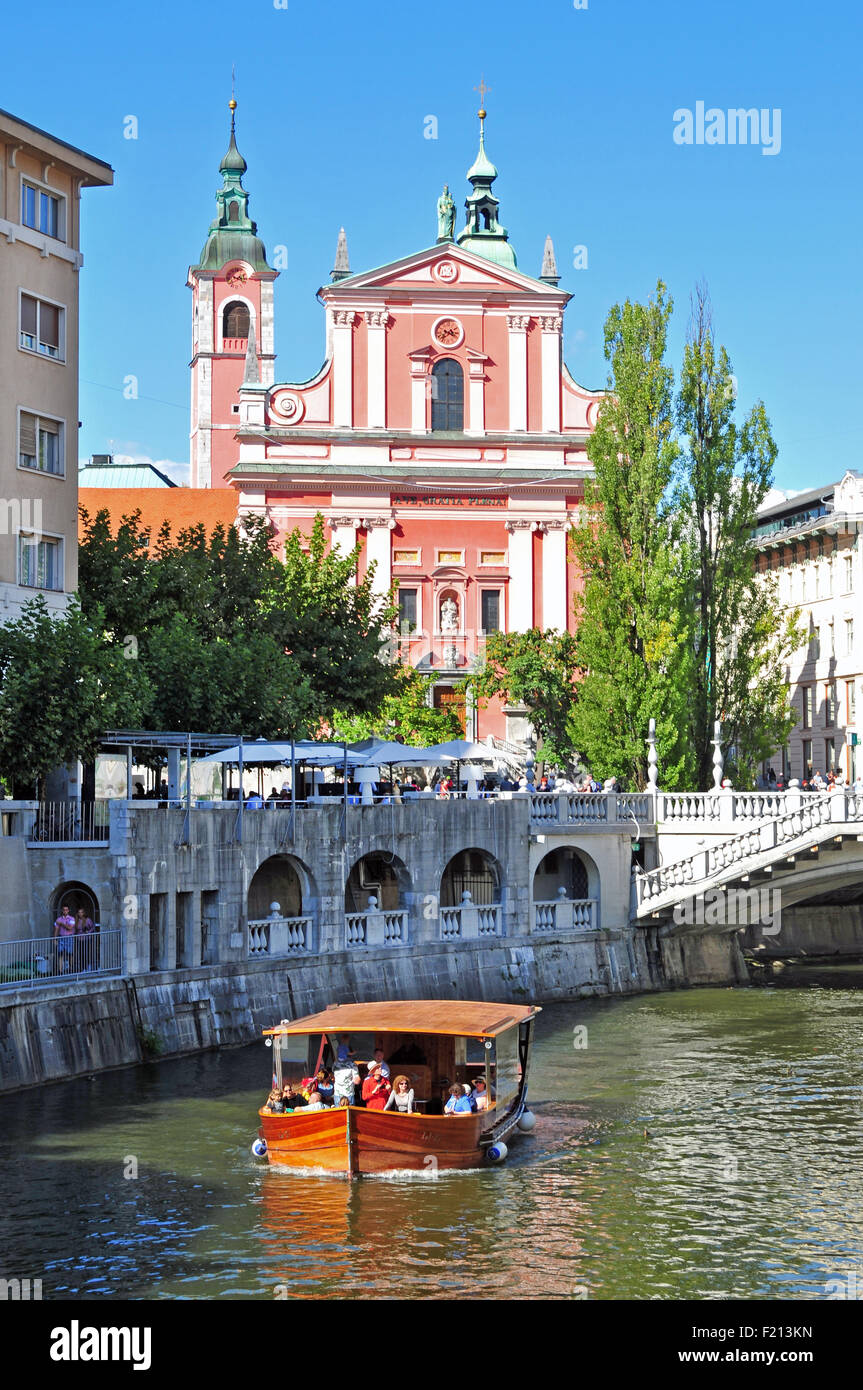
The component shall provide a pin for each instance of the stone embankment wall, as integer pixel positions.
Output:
(71, 1031)
(834, 929)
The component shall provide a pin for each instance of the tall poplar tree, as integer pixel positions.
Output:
(740, 638)
(630, 647)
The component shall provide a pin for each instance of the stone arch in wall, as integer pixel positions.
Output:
(569, 868)
(474, 871)
(285, 880)
(379, 875)
(76, 895)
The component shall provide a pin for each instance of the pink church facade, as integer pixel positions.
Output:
(444, 435)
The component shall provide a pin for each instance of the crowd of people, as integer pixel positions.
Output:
(342, 1085)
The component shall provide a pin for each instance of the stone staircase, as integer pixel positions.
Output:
(771, 843)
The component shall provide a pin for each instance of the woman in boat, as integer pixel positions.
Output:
(324, 1084)
(480, 1094)
(376, 1089)
(401, 1097)
(458, 1103)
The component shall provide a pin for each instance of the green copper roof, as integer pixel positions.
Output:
(482, 233)
(233, 236)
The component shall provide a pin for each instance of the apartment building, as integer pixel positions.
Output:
(812, 542)
(41, 178)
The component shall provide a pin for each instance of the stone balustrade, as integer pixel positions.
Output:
(280, 936)
(798, 824)
(376, 928)
(565, 914)
(470, 921)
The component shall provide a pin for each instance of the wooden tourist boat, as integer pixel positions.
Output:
(435, 1044)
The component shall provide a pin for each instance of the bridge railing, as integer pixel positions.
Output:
(280, 936)
(376, 928)
(838, 807)
(42, 960)
(469, 920)
(564, 914)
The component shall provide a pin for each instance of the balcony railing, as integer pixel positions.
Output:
(47, 959)
(376, 928)
(470, 921)
(63, 822)
(279, 936)
(566, 915)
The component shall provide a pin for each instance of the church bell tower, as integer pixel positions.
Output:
(232, 290)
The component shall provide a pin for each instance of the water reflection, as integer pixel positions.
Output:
(704, 1144)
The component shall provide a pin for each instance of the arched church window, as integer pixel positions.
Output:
(235, 321)
(447, 407)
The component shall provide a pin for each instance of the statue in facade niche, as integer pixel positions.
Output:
(445, 215)
(449, 615)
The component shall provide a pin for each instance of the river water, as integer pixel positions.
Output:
(704, 1144)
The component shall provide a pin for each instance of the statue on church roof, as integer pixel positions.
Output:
(445, 215)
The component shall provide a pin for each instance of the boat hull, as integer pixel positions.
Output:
(352, 1140)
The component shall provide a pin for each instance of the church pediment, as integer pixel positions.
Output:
(445, 266)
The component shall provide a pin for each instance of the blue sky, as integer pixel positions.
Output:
(332, 103)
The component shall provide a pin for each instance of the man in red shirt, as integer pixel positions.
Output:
(376, 1089)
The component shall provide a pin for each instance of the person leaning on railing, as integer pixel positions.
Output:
(85, 934)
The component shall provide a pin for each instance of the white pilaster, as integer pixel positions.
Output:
(476, 392)
(378, 549)
(343, 368)
(550, 361)
(343, 530)
(520, 576)
(376, 328)
(518, 326)
(419, 384)
(554, 576)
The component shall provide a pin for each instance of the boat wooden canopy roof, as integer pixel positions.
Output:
(460, 1018)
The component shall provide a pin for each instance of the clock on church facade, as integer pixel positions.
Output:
(443, 432)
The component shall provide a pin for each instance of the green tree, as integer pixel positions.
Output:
(630, 647)
(62, 683)
(405, 713)
(229, 636)
(536, 669)
(740, 639)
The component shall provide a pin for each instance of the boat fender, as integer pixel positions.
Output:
(527, 1121)
(259, 1148)
(496, 1153)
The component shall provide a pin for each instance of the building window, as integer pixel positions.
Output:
(831, 638)
(849, 574)
(808, 692)
(40, 443)
(407, 611)
(40, 563)
(447, 406)
(814, 642)
(42, 326)
(829, 755)
(450, 557)
(491, 610)
(807, 758)
(235, 320)
(849, 636)
(831, 704)
(42, 211)
(406, 557)
(851, 699)
(492, 557)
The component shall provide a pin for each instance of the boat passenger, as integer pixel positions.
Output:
(345, 1080)
(380, 1063)
(468, 1090)
(291, 1098)
(480, 1093)
(315, 1102)
(458, 1103)
(275, 1104)
(376, 1089)
(344, 1051)
(324, 1084)
(401, 1097)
